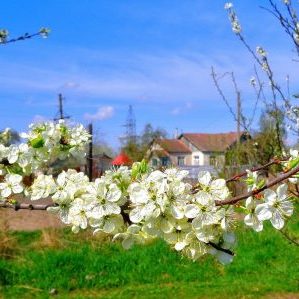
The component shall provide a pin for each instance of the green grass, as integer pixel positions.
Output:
(266, 264)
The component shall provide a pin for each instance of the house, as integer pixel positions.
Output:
(193, 149)
(122, 159)
(166, 152)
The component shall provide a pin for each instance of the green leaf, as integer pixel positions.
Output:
(15, 168)
(293, 163)
(139, 168)
(261, 184)
(37, 142)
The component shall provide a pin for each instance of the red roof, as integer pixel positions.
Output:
(211, 142)
(121, 159)
(173, 146)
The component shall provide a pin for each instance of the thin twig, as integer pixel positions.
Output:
(285, 234)
(214, 245)
(238, 176)
(215, 79)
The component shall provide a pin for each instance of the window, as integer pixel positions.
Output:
(213, 160)
(154, 162)
(181, 160)
(196, 160)
(164, 161)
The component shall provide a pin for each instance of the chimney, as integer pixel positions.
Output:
(176, 133)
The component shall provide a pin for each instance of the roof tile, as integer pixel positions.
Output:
(173, 146)
(211, 142)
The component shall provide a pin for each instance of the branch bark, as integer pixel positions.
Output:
(237, 176)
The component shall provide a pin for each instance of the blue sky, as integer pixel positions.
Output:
(104, 55)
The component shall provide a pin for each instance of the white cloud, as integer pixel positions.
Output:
(176, 78)
(175, 111)
(103, 113)
(70, 85)
(39, 118)
(179, 110)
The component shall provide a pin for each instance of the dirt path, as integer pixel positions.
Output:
(29, 220)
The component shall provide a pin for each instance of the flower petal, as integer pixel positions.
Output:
(277, 220)
(282, 192)
(270, 196)
(263, 211)
(136, 215)
(204, 178)
(287, 207)
(191, 211)
(180, 246)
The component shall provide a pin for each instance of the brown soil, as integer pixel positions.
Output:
(29, 220)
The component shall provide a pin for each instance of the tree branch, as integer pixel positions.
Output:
(44, 32)
(238, 176)
(214, 245)
(229, 201)
(234, 200)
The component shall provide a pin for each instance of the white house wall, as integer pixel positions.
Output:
(201, 158)
(174, 158)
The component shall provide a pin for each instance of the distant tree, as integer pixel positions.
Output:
(149, 134)
(136, 150)
(267, 146)
(100, 148)
(262, 146)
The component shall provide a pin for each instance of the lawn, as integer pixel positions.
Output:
(80, 266)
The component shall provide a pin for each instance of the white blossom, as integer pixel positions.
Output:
(251, 219)
(228, 5)
(139, 205)
(276, 207)
(42, 187)
(251, 180)
(261, 51)
(131, 236)
(12, 185)
(217, 188)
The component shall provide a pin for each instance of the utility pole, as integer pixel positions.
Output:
(60, 109)
(90, 154)
(238, 125)
(238, 116)
(60, 106)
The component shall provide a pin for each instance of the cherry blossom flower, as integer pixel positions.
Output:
(251, 219)
(216, 188)
(11, 185)
(277, 207)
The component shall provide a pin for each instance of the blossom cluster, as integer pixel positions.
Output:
(155, 205)
(160, 204)
(5, 136)
(270, 205)
(260, 55)
(138, 204)
(236, 26)
(44, 144)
